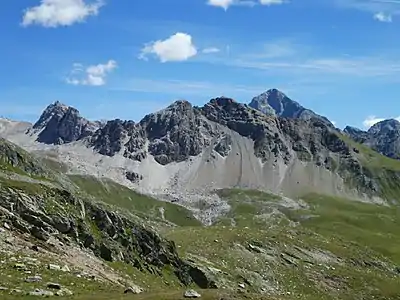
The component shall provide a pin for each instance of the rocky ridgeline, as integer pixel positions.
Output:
(383, 137)
(51, 212)
(180, 131)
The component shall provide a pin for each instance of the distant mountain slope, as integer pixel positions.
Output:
(383, 137)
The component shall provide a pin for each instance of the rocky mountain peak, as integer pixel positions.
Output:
(56, 109)
(383, 137)
(60, 123)
(385, 126)
(275, 102)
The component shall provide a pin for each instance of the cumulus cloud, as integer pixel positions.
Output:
(382, 17)
(178, 47)
(221, 3)
(54, 13)
(225, 4)
(210, 50)
(94, 75)
(372, 120)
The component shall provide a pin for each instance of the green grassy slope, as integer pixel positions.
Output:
(333, 249)
(124, 198)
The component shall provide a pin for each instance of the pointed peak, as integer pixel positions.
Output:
(55, 109)
(385, 125)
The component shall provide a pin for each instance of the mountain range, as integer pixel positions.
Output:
(269, 144)
(261, 201)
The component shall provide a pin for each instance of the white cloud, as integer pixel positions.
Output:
(54, 13)
(178, 47)
(225, 4)
(94, 75)
(372, 120)
(382, 17)
(211, 50)
(221, 3)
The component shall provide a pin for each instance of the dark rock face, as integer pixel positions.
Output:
(61, 124)
(133, 177)
(109, 139)
(383, 137)
(274, 102)
(175, 133)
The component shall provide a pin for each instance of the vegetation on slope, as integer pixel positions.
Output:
(124, 198)
(383, 170)
(331, 248)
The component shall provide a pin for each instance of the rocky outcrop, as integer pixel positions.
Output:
(176, 133)
(383, 137)
(109, 235)
(274, 102)
(110, 139)
(14, 158)
(61, 124)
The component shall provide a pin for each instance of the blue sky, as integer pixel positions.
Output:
(127, 58)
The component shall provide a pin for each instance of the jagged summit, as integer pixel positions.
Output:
(55, 109)
(275, 102)
(385, 126)
(60, 123)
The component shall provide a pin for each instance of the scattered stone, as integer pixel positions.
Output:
(55, 286)
(19, 266)
(16, 291)
(191, 294)
(6, 226)
(65, 268)
(2, 288)
(36, 278)
(54, 267)
(35, 248)
(134, 289)
(242, 285)
(64, 292)
(40, 292)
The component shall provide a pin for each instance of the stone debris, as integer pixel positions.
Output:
(54, 267)
(36, 278)
(64, 292)
(191, 294)
(40, 292)
(55, 286)
(133, 289)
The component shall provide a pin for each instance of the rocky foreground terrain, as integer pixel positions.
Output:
(225, 201)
